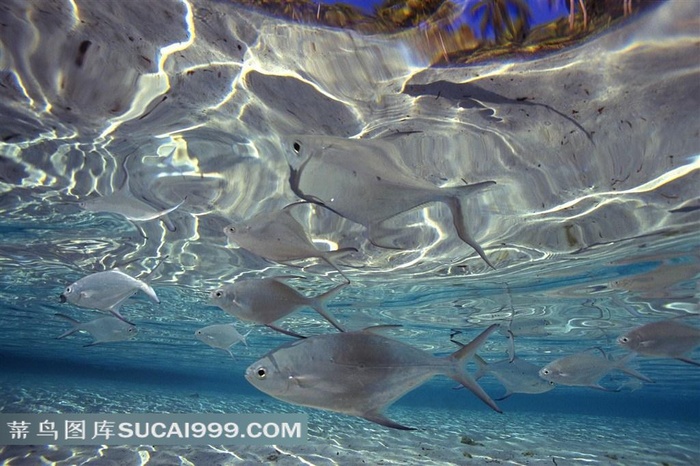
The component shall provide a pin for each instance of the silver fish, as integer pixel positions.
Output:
(665, 339)
(359, 373)
(123, 203)
(268, 300)
(363, 181)
(585, 369)
(106, 291)
(106, 329)
(278, 237)
(221, 336)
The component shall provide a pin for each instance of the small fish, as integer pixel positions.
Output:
(364, 181)
(278, 237)
(123, 203)
(103, 329)
(221, 336)
(360, 373)
(268, 300)
(106, 291)
(515, 374)
(585, 369)
(664, 339)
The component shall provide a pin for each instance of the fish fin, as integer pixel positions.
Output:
(511, 346)
(460, 373)
(228, 350)
(91, 344)
(379, 418)
(150, 292)
(245, 343)
(286, 332)
(319, 305)
(600, 387)
(482, 367)
(148, 276)
(76, 326)
(505, 396)
(115, 312)
(380, 328)
(620, 365)
(456, 205)
(689, 361)
(331, 256)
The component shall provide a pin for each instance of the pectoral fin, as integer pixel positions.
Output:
(379, 418)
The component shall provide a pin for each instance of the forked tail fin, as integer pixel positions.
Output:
(319, 305)
(456, 205)
(460, 374)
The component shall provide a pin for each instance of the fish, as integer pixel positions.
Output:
(363, 181)
(277, 236)
(221, 336)
(106, 291)
(585, 369)
(664, 339)
(265, 301)
(123, 203)
(105, 329)
(360, 373)
(515, 374)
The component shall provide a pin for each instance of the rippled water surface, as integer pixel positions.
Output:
(591, 222)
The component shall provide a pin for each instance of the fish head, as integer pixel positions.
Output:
(72, 294)
(551, 372)
(268, 377)
(237, 233)
(204, 336)
(629, 340)
(298, 149)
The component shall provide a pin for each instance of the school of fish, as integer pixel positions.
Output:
(358, 372)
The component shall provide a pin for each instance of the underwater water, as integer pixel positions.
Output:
(190, 116)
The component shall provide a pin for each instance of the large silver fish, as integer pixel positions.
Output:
(585, 369)
(278, 237)
(221, 336)
(105, 329)
(123, 203)
(665, 339)
(267, 300)
(106, 291)
(360, 373)
(364, 181)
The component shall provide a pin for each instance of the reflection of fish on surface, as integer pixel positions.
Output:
(279, 237)
(360, 373)
(361, 181)
(268, 300)
(123, 203)
(664, 339)
(221, 336)
(105, 329)
(106, 291)
(585, 369)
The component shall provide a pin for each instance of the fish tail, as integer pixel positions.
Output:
(76, 325)
(459, 372)
(629, 371)
(319, 305)
(331, 256)
(456, 205)
(148, 277)
(482, 367)
(146, 288)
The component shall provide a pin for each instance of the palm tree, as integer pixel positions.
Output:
(497, 14)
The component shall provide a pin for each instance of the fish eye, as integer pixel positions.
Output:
(624, 339)
(545, 371)
(296, 146)
(218, 293)
(69, 290)
(261, 372)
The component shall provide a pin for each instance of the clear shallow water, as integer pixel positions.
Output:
(592, 225)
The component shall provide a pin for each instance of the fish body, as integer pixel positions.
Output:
(221, 336)
(585, 369)
(106, 291)
(279, 237)
(267, 300)
(363, 181)
(359, 373)
(516, 376)
(105, 329)
(664, 339)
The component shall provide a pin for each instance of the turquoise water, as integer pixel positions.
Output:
(591, 224)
